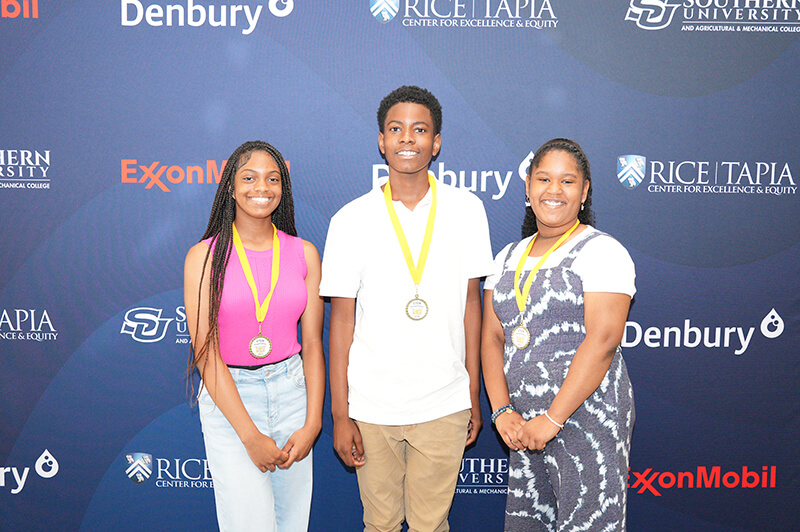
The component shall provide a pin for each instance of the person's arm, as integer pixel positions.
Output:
(346, 436)
(472, 332)
(299, 444)
(604, 316)
(216, 376)
(492, 344)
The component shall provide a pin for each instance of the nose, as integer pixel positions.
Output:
(554, 187)
(407, 136)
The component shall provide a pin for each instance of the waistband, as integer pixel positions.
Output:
(259, 366)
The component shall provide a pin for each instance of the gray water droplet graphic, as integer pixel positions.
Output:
(46, 465)
(772, 325)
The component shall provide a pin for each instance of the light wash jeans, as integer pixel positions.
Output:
(246, 498)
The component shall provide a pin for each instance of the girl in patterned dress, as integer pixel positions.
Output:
(555, 313)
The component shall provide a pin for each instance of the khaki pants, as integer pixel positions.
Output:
(411, 472)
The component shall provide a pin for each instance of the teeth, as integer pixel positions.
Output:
(406, 152)
(554, 203)
(260, 200)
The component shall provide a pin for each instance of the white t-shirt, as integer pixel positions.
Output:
(603, 264)
(403, 371)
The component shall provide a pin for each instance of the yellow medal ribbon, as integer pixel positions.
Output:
(522, 296)
(416, 271)
(261, 309)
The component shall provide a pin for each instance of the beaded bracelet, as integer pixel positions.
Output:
(556, 423)
(502, 409)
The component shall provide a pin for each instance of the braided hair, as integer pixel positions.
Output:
(585, 215)
(220, 230)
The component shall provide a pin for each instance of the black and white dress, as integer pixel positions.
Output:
(579, 480)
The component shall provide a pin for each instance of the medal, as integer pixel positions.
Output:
(417, 308)
(260, 346)
(520, 337)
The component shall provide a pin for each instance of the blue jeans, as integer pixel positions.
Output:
(246, 498)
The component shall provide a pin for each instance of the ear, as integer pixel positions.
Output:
(381, 145)
(437, 144)
(528, 187)
(586, 184)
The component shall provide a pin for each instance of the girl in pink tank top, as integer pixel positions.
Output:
(248, 284)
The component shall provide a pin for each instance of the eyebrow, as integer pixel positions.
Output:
(414, 124)
(566, 174)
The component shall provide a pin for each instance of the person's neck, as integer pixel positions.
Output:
(409, 188)
(547, 236)
(256, 235)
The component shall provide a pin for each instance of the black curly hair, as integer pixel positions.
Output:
(413, 94)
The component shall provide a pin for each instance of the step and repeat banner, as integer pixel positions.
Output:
(117, 119)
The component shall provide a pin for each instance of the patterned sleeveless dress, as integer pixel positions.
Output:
(579, 480)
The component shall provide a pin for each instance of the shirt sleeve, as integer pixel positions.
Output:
(604, 265)
(497, 270)
(340, 274)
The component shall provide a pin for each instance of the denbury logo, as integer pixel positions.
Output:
(653, 482)
(146, 325)
(13, 9)
(24, 168)
(772, 325)
(169, 473)
(133, 12)
(140, 466)
(691, 336)
(473, 180)
(651, 14)
(707, 177)
(630, 170)
(46, 466)
(384, 10)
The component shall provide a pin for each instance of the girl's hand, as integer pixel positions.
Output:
(265, 453)
(299, 445)
(535, 434)
(508, 423)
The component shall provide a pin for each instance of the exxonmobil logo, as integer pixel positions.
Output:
(158, 175)
(15, 8)
(654, 482)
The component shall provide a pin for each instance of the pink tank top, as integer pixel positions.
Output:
(237, 312)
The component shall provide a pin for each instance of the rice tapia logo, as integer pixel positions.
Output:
(384, 10)
(139, 466)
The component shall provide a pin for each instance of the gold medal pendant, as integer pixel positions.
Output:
(520, 337)
(260, 346)
(417, 308)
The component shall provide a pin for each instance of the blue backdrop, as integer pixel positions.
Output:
(116, 117)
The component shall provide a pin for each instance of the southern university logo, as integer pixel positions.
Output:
(140, 466)
(145, 324)
(630, 170)
(384, 10)
(651, 14)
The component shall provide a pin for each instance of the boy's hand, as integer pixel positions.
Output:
(347, 442)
